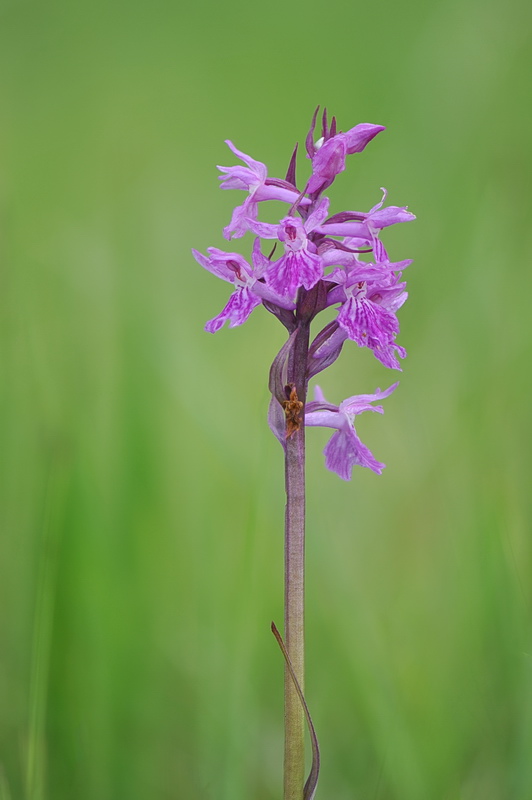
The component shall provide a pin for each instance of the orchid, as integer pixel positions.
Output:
(345, 450)
(249, 291)
(335, 262)
(300, 265)
(369, 299)
(253, 179)
(329, 153)
(362, 229)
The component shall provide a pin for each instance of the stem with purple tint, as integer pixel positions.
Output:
(294, 754)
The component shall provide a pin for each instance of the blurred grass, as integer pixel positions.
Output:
(139, 485)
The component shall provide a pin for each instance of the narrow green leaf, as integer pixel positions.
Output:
(312, 780)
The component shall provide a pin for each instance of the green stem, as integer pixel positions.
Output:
(294, 754)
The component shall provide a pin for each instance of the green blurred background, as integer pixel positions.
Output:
(141, 492)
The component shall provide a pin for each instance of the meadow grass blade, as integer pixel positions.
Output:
(42, 636)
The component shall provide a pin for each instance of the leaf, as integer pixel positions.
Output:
(311, 784)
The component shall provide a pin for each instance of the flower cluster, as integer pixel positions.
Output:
(320, 265)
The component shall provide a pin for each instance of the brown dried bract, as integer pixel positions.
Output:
(292, 411)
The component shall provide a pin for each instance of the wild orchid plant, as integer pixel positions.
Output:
(320, 267)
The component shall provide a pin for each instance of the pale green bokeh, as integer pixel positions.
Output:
(141, 491)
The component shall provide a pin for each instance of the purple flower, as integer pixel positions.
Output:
(329, 156)
(344, 450)
(379, 217)
(249, 290)
(367, 314)
(362, 229)
(253, 179)
(300, 265)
